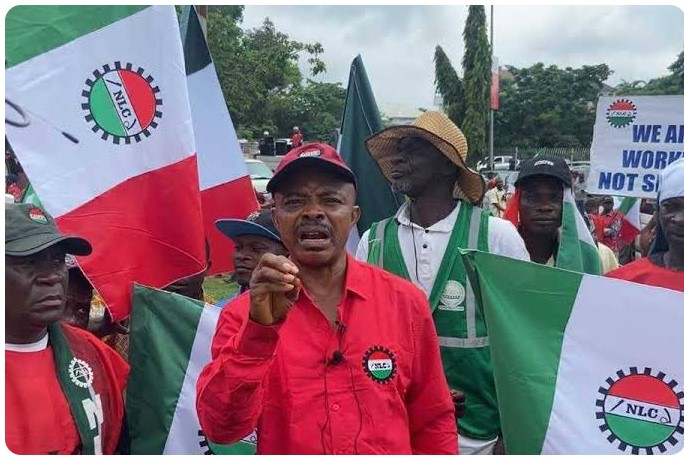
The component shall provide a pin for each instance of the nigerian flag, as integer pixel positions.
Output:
(582, 364)
(170, 345)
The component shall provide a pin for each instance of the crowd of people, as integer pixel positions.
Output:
(325, 352)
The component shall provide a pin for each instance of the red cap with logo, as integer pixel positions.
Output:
(319, 155)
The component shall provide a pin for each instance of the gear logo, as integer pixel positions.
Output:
(80, 373)
(641, 412)
(37, 216)
(121, 104)
(379, 364)
(621, 113)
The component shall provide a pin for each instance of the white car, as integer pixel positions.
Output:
(501, 163)
(259, 173)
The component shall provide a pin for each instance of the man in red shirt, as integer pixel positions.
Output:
(296, 137)
(63, 387)
(325, 354)
(664, 266)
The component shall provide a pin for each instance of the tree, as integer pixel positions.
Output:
(667, 85)
(449, 86)
(477, 68)
(549, 106)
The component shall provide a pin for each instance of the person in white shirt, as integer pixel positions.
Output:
(496, 198)
(426, 162)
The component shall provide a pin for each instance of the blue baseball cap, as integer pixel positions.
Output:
(259, 223)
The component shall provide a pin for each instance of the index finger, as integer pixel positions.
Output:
(280, 263)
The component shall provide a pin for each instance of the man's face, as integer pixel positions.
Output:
(248, 252)
(416, 165)
(314, 212)
(607, 204)
(35, 289)
(499, 184)
(541, 205)
(671, 217)
(79, 297)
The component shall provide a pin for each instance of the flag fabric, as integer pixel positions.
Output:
(109, 148)
(575, 373)
(576, 248)
(361, 118)
(225, 184)
(170, 344)
(628, 212)
(30, 196)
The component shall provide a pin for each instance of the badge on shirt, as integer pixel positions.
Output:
(379, 364)
(452, 297)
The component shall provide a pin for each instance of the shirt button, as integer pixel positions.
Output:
(425, 246)
(427, 231)
(335, 407)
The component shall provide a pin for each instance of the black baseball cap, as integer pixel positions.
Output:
(259, 223)
(29, 229)
(545, 165)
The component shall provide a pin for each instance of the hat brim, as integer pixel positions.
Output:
(33, 244)
(233, 228)
(311, 162)
(525, 178)
(383, 146)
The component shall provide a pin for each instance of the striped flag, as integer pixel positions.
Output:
(574, 373)
(225, 184)
(31, 197)
(170, 343)
(109, 148)
(576, 248)
(628, 212)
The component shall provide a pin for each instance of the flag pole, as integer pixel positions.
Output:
(491, 110)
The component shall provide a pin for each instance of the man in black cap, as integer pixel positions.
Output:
(546, 215)
(327, 354)
(63, 387)
(253, 237)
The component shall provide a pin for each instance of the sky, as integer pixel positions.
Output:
(397, 43)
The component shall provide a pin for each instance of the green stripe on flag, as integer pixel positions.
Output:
(156, 378)
(640, 433)
(627, 204)
(34, 30)
(103, 110)
(195, 47)
(520, 318)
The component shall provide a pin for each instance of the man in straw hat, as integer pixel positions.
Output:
(324, 354)
(426, 161)
(664, 265)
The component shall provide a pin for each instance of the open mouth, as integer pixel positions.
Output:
(313, 238)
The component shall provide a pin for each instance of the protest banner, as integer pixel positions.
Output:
(635, 137)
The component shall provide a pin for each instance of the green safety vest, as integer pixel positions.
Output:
(464, 345)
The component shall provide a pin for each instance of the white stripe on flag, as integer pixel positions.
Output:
(639, 410)
(219, 157)
(183, 437)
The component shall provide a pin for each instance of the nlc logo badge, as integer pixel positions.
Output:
(379, 364)
(121, 103)
(641, 411)
(621, 113)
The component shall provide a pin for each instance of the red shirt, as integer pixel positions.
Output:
(384, 394)
(643, 271)
(296, 140)
(38, 419)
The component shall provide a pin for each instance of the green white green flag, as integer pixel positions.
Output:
(582, 364)
(170, 345)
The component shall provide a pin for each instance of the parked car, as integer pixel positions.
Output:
(260, 174)
(501, 163)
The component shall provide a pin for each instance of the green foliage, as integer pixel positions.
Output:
(449, 86)
(477, 69)
(668, 85)
(549, 106)
(261, 81)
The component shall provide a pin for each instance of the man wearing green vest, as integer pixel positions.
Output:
(426, 162)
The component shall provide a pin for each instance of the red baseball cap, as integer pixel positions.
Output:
(320, 155)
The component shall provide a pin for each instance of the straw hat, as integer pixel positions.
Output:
(440, 131)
